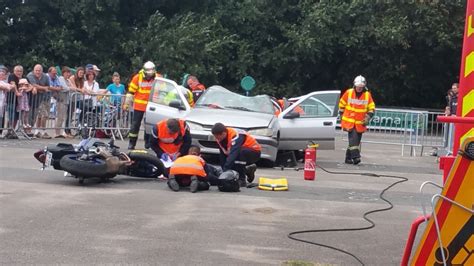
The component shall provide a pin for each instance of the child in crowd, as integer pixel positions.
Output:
(23, 106)
(117, 89)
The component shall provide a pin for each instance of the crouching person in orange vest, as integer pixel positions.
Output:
(238, 151)
(191, 170)
(170, 139)
(356, 108)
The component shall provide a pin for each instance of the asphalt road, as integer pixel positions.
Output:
(46, 218)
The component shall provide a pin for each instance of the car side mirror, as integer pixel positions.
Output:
(292, 115)
(177, 104)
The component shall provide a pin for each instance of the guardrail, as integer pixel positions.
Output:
(34, 115)
(413, 129)
(70, 112)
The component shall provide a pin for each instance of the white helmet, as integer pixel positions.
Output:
(360, 81)
(149, 68)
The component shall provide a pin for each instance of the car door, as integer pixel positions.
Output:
(166, 101)
(311, 118)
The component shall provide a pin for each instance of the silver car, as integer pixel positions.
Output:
(311, 118)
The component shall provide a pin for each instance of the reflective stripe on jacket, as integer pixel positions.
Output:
(141, 89)
(233, 134)
(188, 165)
(355, 109)
(168, 142)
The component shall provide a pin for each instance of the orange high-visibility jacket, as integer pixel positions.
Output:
(198, 88)
(232, 135)
(140, 88)
(188, 165)
(167, 140)
(355, 108)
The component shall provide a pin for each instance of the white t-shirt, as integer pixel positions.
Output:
(94, 88)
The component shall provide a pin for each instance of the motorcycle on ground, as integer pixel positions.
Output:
(92, 158)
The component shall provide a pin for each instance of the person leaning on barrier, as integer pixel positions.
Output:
(138, 94)
(12, 103)
(77, 89)
(41, 102)
(5, 88)
(356, 108)
(23, 106)
(91, 90)
(63, 104)
(117, 89)
(12, 110)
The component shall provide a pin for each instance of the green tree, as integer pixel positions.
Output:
(408, 50)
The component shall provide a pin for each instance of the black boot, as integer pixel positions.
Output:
(194, 184)
(240, 168)
(348, 157)
(356, 160)
(147, 141)
(250, 172)
(355, 155)
(173, 184)
(132, 143)
(203, 185)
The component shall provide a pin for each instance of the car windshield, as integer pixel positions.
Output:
(221, 98)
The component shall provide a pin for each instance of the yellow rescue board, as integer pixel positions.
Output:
(273, 184)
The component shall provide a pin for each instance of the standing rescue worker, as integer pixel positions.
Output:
(170, 139)
(238, 151)
(138, 94)
(356, 108)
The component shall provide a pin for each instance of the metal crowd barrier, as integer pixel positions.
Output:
(98, 112)
(23, 116)
(72, 112)
(7, 113)
(411, 129)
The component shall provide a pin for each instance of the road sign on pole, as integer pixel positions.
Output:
(247, 83)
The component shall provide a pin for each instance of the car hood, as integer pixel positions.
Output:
(231, 118)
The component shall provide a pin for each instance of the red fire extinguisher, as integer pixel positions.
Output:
(310, 162)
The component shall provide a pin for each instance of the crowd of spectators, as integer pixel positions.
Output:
(28, 102)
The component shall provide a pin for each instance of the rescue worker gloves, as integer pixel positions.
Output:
(128, 101)
(168, 157)
(367, 119)
(341, 111)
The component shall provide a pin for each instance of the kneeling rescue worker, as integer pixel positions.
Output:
(191, 170)
(356, 107)
(238, 151)
(171, 138)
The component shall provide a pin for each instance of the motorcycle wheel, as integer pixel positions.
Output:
(87, 168)
(143, 155)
